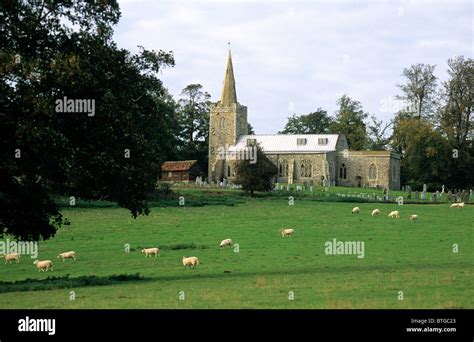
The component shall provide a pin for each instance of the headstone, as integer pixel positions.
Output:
(287, 188)
(437, 194)
(298, 188)
(423, 194)
(425, 188)
(224, 182)
(326, 189)
(470, 194)
(311, 188)
(281, 187)
(442, 189)
(450, 196)
(417, 195)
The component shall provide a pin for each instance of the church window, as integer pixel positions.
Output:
(221, 122)
(323, 141)
(372, 171)
(305, 169)
(342, 172)
(251, 142)
(283, 168)
(301, 141)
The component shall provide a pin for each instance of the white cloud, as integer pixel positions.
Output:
(308, 53)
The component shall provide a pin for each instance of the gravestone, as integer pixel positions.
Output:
(311, 188)
(437, 195)
(470, 194)
(417, 195)
(442, 189)
(450, 196)
(425, 188)
(298, 188)
(423, 194)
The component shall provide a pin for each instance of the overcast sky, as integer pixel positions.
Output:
(295, 56)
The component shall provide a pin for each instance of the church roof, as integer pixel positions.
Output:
(229, 94)
(291, 143)
(182, 165)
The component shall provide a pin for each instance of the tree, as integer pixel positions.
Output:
(456, 118)
(350, 120)
(378, 139)
(317, 122)
(419, 91)
(427, 156)
(193, 117)
(250, 129)
(111, 149)
(257, 176)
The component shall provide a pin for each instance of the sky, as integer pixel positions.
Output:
(292, 57)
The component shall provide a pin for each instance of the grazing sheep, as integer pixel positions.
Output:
(67, 255)
(151, 251)
(44, 265)
(12, 256)
(394, 214)
(226, 242)
(192, 262)
(355, 210)
(287, 232)
(413, 217)
(454, 205)
(375, 212)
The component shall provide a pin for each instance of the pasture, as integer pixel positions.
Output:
(266, 270)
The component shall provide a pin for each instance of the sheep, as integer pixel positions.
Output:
(192, 262)
(151, 251)
(413, 217)
(287, 232)
(375, 212)
(355, 210)
(454, 205)
(44, 265)
(226, 242)
(461, 205)
(67, 255)
(394, 214)
(12, 256)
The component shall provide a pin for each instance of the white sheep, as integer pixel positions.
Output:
(67, 255)
(394, 214)
(12, 256)
(226, 242)
(355, 210)
(287, 232)
(413, 217)
(461, 205)
(454, 205)
(44, 265)
(375, 212)
(151, 251)
(192, 262)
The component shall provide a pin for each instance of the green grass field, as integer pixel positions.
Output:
(414, 257)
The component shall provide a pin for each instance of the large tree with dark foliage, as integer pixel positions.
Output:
(258, 175)
(56, 49)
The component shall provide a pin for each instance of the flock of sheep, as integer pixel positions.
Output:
(43, 265)
(192, 262)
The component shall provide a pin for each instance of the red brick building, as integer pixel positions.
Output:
(180, 171)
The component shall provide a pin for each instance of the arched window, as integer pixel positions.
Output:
(305, 168)
(221, 123)
(283, 168)
(342, 171)
(372, 171)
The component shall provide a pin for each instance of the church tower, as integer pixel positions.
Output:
(227, 121)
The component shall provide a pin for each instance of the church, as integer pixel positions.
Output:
(300, 158)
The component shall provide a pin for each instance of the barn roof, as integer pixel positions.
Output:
(182, 165)
(288, 143)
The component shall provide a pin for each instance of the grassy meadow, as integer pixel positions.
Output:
(265, 271)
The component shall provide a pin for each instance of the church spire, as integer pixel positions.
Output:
(228, 90)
